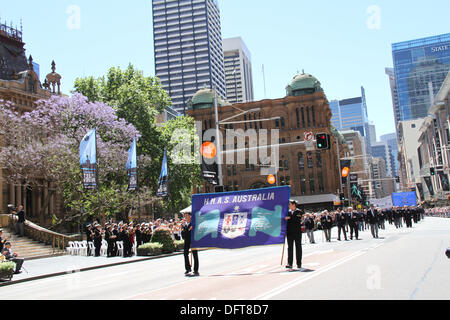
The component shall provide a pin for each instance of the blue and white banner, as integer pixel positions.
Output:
(163, 183)
(132, 167)
(401, 199)
(88, 160)
(240, 219)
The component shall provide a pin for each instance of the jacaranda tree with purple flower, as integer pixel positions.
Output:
(42, 146)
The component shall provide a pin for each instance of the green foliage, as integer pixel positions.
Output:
(162, 235)
(6, 268)
(150, 249)
(179, 245)
(138, 100)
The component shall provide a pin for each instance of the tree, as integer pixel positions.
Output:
(138, 100)
(43, 145)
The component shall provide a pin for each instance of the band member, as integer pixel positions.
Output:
(341, 220)
(186, 234)
(309, 227)
(372, 216)
(89, 238)
(294, 234)
(97, 239)
(327, 222)
(353, 222)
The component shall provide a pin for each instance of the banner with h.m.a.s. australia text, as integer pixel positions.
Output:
(240, 219)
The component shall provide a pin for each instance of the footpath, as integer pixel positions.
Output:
(67, 264)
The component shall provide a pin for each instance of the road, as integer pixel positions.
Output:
(403, 264)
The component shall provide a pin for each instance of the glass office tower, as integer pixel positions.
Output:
(351, 114)
(188, 48)
(420, 69)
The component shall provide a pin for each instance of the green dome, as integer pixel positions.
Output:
(303, 84)
(204, 99)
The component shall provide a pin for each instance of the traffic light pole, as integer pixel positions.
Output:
(218, 142)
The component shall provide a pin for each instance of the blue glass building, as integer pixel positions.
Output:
(351, 114)
(417, 63)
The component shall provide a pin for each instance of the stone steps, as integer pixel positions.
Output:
(29, 249)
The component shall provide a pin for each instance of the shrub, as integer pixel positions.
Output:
(179, 245)
(7, 269)
(150, 249)
(163, 236)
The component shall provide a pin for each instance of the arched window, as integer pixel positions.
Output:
(301, 161)
(318, 159)
(283, 122)
(298, 117)
(309, 157)
(313, 116)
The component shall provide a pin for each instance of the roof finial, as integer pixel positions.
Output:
(30, 63)
(303, 71)
(53, 66)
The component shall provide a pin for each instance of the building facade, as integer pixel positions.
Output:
(188, 48)
(420, 67)
(351, 114)
(20, 84)
(409, 171)
(313, 174)
(434, 148)
(238, 71)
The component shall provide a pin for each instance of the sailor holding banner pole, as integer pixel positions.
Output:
(294, 234)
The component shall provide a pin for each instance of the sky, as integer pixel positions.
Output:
(345, 44)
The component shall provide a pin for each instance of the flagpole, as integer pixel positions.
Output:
(282, 253)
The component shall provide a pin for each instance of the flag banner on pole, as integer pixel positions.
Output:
(88, 160)
(132, 167)
(429, 185)
(401, 199)
(163, 184)
(240, 219)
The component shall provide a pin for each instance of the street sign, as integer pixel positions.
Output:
(309, 136)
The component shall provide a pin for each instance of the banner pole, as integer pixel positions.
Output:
(282, 253)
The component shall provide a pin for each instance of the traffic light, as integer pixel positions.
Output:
(323, 141)
(219, 189)
(210, 170)
(397, 179)
(342, 197)
(345, 170)
(432, 172)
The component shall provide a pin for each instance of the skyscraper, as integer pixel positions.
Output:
(188, 48)
(420, 67)
(238, 70)
(351, 114)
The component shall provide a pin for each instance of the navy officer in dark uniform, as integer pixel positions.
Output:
(294, 234)
(186, 235)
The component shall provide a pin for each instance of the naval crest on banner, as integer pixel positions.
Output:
(234, 224)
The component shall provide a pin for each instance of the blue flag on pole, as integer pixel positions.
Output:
(132, 167)
(240, 219)
(88, 160)
(163, 184)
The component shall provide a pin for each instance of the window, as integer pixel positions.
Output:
(312, 186)
(309, 157)
(313, 116)
(302, 185)
(236, 185)
(298, 118)
(301, 161)
(286, 165)
(320, 182)
(283, 122)
(318, 159)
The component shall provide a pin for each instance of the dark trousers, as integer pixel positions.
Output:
(187, 263)
(18, 262)
(111, 252)
(127, 249)
(297, 240)
(98, 246)
(342, 228)
(353, 229)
